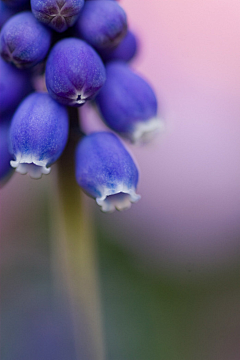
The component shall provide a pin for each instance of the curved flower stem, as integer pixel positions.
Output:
(78, 258)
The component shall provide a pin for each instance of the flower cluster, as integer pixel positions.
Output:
(82, 51)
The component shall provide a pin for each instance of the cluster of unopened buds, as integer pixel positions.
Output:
(81, 50)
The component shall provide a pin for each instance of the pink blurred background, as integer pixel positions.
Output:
(188, 217)
(189, 214)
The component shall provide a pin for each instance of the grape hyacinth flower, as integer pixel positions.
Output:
(74, 72)
(14, 86)
(128, 104)
(124, 51)
(106, 171)
(102, 24)
(58, 14)
(24, 41)
(38, 134)
(69, 72)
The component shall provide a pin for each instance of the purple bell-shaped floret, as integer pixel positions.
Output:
(106, 171)
(24, 41)
(38, 134)
(128, 104)
(74, 72)
(102, 24)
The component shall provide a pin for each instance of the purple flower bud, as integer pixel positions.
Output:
(128, 103)
(14, 86)
(106, 171)
(74, 72)
(58, 14)
(124, 51)
(5, 168)
(24, 41)
(102, 23)
(38, 134)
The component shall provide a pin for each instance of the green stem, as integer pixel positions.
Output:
(77, 255)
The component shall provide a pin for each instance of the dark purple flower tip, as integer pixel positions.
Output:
(106, 171)
(102, 23)
(58, 14)
(5, 167)
(38, 134)
(24, 41)
(128, 104)
(124, 51)
(17, 5)
(14, 86)
(74, 72)
(5, 13)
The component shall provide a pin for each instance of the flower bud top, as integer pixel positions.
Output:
(57, 14)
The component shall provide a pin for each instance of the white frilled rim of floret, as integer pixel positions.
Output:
(120, 198)
(144, 131)
(30, 165)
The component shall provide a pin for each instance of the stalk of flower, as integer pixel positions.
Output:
(75, 257)
(6, 171)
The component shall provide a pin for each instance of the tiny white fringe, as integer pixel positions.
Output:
(30, 165)
(144, 131)
(121, 199)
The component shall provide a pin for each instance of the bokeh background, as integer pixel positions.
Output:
(168, 267)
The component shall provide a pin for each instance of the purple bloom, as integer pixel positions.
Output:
(74, 72)
(24, 41)
(102, 23)
(128, 104)
(106, 171)
(38, 134)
